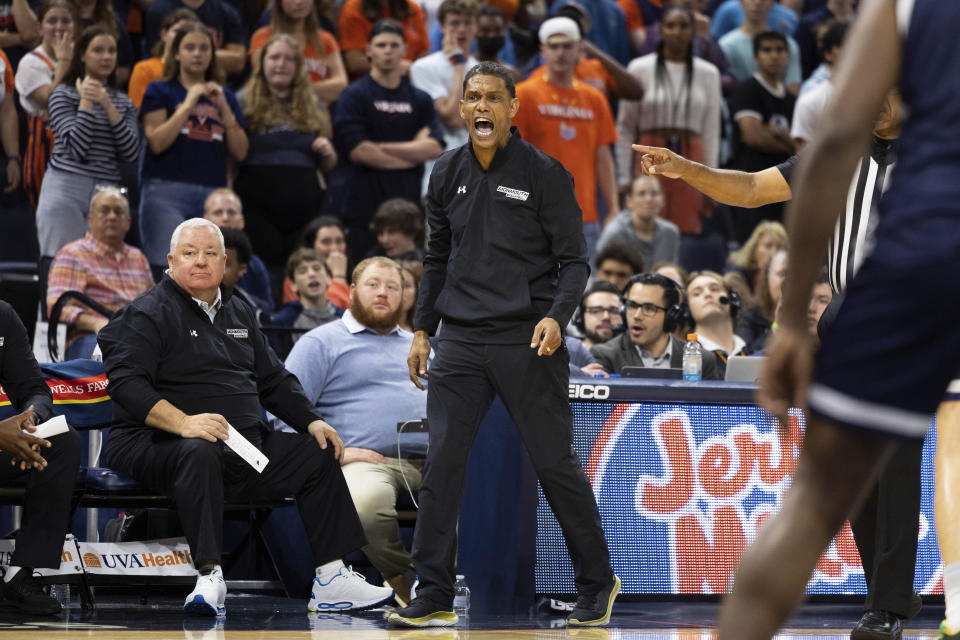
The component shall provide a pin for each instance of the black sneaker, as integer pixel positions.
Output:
(422, 613)
(594, 611)
(24, 594)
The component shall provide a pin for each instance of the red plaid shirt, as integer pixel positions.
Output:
(112, 278)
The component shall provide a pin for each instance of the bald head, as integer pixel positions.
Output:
(224, 209)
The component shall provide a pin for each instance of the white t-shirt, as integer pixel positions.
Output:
(808, 110)
(434, 75)
(33, 72)
(664, 107)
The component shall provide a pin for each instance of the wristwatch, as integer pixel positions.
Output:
(458, 58)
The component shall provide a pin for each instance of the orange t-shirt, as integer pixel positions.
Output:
(312, 60)
(632, 13)
(354, 28)
(566, 123)
(590, 71)
(144, 72)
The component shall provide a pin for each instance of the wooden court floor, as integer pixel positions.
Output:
(31, 632)
(273, 618)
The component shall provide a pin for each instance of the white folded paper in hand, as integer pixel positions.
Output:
(52, 427)
(245, 449)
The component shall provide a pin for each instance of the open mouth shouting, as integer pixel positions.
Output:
(483, 127)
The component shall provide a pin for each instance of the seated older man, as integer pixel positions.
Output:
(353, 370)
(187, 362)
(100, 265)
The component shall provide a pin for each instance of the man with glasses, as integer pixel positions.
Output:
(599, 319)
(652, 308)
(100, 265)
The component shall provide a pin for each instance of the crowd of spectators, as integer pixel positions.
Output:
(334, 112)
(305, 130)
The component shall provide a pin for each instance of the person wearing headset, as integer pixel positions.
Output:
(598, 317)
(714, 308)
(651, 311)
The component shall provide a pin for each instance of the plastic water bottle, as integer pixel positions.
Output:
(692, 359)
(61, 593)
(461, 597)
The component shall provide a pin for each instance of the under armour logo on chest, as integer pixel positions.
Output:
(462, 188)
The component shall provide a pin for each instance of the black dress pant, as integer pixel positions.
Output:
(199, 475)
(464, 378)
(46, 510)
(886, 531)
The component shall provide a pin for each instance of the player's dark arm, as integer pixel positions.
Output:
(734, 188)
(868, 70)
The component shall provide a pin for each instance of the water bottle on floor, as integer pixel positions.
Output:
(461, 597)
(61, 593)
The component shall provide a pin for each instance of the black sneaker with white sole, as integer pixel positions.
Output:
(423, 613)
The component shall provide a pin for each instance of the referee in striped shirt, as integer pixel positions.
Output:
(885, 530)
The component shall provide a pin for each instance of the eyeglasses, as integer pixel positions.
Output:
(596, 311)
(647, 309)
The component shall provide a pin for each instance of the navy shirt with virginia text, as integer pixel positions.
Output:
(368, 111)
(506, 245)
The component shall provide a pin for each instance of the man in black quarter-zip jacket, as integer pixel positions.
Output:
(505, 269)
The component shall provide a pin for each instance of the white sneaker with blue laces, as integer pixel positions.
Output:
(208, 595)
(347, 590)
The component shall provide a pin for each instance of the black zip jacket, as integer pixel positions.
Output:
(20, 374)
(506, 245)
(163, 346)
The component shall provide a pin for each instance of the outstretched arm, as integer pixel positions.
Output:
(735, 188)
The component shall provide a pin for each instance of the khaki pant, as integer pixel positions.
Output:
(374, 488)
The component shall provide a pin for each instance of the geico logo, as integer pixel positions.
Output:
(589, 391)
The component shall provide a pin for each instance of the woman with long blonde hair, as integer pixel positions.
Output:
(746, 263)
(289, 144)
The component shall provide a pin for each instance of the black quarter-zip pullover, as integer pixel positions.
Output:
(164, 346)
(506, 245)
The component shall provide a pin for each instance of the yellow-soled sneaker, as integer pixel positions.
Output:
(594, 611)
(945, 633)
(422, 613)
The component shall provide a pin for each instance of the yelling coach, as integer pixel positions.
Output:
(505, 269)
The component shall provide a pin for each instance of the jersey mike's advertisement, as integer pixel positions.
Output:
(683, 489)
